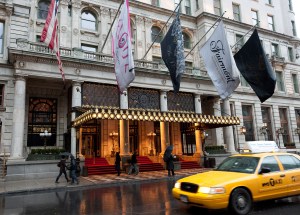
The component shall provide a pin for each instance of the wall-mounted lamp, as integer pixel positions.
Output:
(125, 93)
(264, 130)
(297, 130)
(243, 130)
(297, 56)
(165, 97)
(199, 100)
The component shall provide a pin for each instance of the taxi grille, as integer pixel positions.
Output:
(189, 187)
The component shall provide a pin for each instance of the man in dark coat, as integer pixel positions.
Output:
(62, 169)
(118, 163)
(73, 168)
(169, 158)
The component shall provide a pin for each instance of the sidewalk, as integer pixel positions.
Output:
(13, 187)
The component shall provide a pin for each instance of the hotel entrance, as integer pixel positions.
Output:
(90, 142)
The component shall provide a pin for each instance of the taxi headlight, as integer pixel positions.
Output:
(177, 185)
(211, 190)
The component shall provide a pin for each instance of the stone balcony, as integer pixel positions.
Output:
(36, 48)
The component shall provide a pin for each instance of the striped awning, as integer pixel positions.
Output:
(205, 121)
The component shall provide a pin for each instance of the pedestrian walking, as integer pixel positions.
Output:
(73, 168)
(133, 165)
(169, 159)
(62, 169)
(118, 163)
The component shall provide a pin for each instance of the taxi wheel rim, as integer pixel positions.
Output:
(241, 201)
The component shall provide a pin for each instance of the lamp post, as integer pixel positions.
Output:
(151, 135)
(45, 135)
(279, 131)
(264, 130)
(113, 135)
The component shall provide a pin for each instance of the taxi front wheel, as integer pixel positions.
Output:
(240, 201)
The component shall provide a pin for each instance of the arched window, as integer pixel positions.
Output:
(43, 7)
(42, 116)
(154, 32)
(186, 41)
(88, 20)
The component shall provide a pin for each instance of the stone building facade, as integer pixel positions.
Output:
(87, 116)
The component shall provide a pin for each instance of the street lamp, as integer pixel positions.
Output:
(45, 135)
(151, 135)
(113, 135)
(297, 130)
(264, 130)
(243, 130)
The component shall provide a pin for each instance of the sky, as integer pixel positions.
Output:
(296, 8)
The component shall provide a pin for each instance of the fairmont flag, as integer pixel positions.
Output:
(256, 68)
(49, 33)
(219, 62)
(122, 51)
(173, 52)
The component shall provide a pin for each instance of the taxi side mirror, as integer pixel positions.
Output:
(264, 170)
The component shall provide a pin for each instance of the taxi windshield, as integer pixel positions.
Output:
(239, 164)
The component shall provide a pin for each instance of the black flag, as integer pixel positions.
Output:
(172, 52)
(255, 67)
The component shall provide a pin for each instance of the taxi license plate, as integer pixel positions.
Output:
(184, 198)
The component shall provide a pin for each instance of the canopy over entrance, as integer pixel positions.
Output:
(204, 121)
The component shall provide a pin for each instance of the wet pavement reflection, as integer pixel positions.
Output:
(138, 198)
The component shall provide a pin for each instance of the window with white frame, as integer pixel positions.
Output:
(88, 20)
(156, 34)
(217, 7)
(266, 117)
(186, 40)
(1, 94)
(239, 41)
(275, 49)
(197, 4)
(271, 23)
(1, 37)
(89, 48)
(188, 7)
(291, 5)
(291, 54)
(254, 14)
(244, 83)
(283, 115)
(295, 83)
(279, 81)
(268, 2)
(294, 28)
(43, 7)
(155, 3)
(236, 12)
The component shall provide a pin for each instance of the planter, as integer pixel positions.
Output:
(35, 157)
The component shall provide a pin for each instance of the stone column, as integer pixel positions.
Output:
(124, 126)
(17, 142)
(228, 131)
(164, 131)
(76, 102)
(75, 28)
(218, 132)
(199, 151)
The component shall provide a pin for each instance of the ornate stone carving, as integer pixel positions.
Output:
(63, 29)
(75, 31)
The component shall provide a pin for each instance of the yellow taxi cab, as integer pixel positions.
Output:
(242, 179)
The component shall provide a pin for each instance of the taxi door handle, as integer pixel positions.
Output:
(282, 175)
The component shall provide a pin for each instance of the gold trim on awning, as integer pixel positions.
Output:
(117, 114)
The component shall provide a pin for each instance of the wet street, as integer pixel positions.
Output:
(139, 198)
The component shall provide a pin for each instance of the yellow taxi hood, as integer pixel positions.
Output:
(213, 178)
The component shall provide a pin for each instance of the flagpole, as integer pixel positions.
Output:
(205, 34)
(161, 30)
(245, 35)
(111, 26)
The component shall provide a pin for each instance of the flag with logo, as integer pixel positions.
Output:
(219, 62)
(256, 68)
(122, 51)
(49, 33)
(172, 52)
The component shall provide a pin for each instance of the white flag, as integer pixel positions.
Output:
(121, 48)
(219, 62)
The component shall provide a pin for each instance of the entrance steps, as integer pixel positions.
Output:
(145, 164)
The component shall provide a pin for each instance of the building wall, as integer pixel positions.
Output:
(43, 78)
